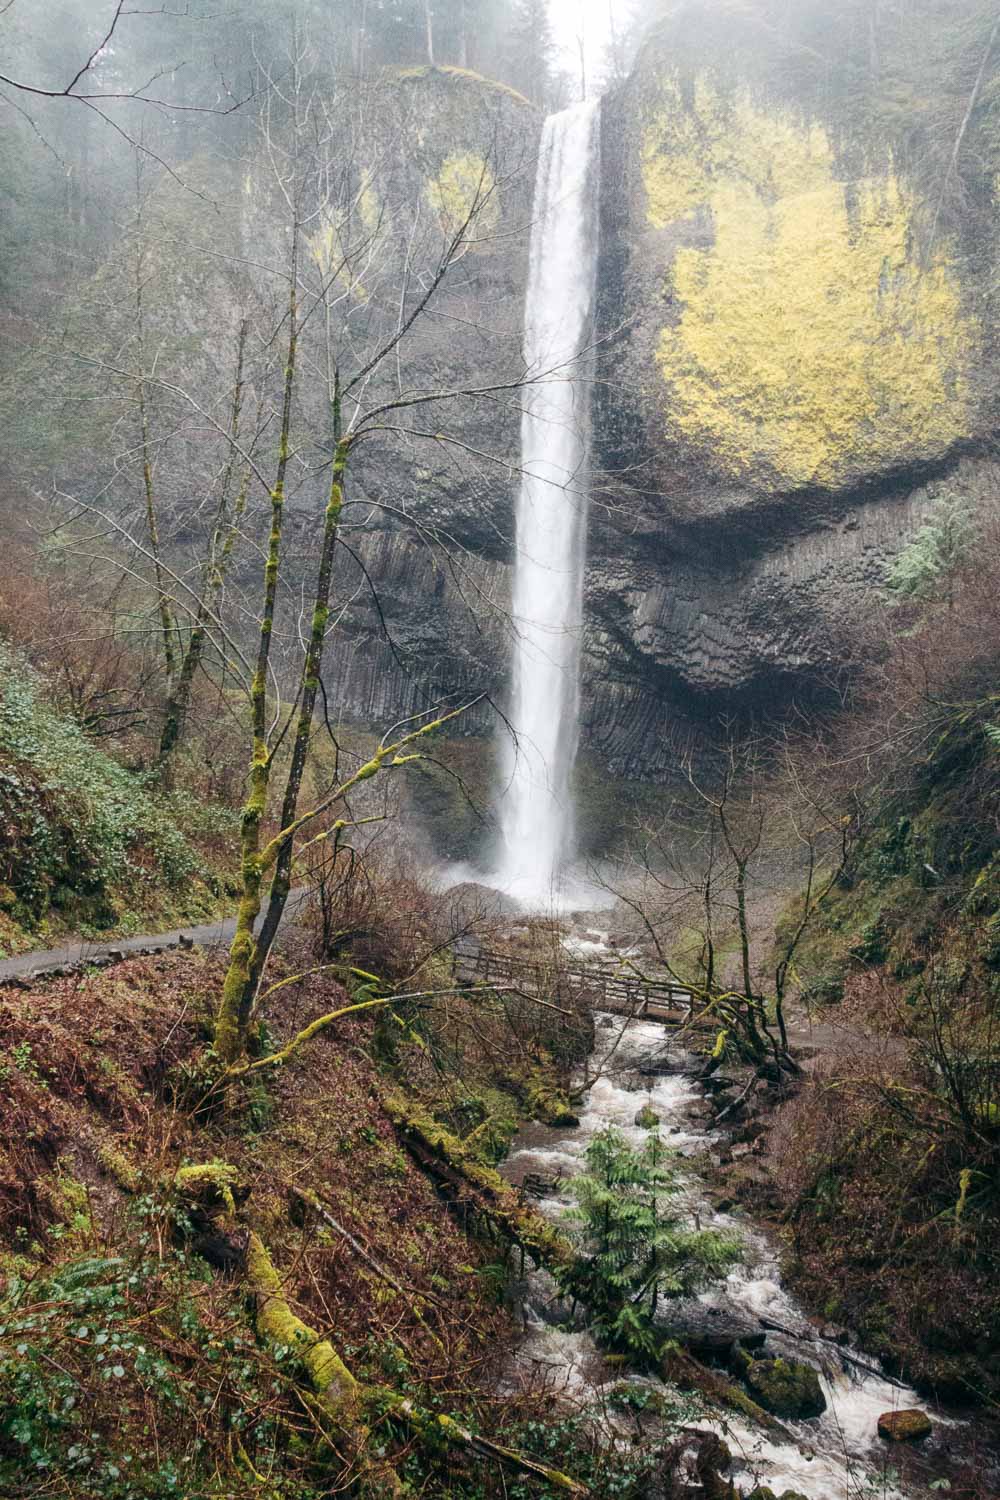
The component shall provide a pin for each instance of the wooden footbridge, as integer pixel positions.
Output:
(602, 986)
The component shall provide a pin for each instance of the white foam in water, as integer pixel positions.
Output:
(837, 1456)
(536, 811)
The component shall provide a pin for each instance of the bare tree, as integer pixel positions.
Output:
(702, 870)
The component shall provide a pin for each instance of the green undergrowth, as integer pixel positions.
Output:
(137, 1360)
(87, 845)
(892, 1194)
(927, 868)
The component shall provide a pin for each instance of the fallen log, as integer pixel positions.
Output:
(684, 1371)
(466, 1182)
(431, 1425)
(344, 1409)
(815, 1337)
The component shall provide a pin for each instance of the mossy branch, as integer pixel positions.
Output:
(437, 1427)
(278, 1059)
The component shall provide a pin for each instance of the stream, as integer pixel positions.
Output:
(838, 1456)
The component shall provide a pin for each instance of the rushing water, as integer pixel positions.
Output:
(835, 1457)
(536, 812)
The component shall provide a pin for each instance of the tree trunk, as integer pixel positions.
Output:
(231, 1017)
(220, 550)
(281, 881)
(167, 626)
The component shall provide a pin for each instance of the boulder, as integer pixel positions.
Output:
(904, 1426)
(713, 1335)
(786, 1387)
(764, 1492)
(647, 1118)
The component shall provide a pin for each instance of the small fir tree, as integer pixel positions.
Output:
(635, 1246)
(927, 568)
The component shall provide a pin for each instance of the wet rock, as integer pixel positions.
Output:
(647, 1118)
(754, 1339)
(537, 1185)
(718, 1084)
(904, 1426)
(722, 1202)
(711, 1465)
(832, 1333)
(785, 1387)
(764, 1492)
(715, 1335)
(711, 1347)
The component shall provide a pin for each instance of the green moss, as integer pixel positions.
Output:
(542, 1099)
(212, 1180)
(785, 1387)
(905, 1426)
(464, 186)
(465, 75)
(525, 1227)
(284, 1330)
(117, 1165)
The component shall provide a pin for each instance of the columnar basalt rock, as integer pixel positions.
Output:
(795, 357)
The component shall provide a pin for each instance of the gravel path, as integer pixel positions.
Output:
(215, 934)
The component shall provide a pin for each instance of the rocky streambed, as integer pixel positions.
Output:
(840, 1428)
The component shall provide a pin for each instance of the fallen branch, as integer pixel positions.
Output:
(342, 1407)
(815, 1337)
(430, 1424)
(735, 1103)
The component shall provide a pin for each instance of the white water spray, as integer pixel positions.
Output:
(537, 811)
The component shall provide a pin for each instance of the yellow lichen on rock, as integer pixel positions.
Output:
(808, 337)
(465, 185)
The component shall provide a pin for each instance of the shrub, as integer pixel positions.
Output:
(76, 825)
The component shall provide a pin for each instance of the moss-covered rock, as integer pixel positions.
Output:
(904, 1426)
(786, 1387)
(543, 1100)
(647, 1118)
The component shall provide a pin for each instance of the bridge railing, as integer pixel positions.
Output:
(604, 987)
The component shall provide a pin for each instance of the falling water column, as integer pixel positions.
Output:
(537, 811)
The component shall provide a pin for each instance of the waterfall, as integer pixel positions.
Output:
(536, 810)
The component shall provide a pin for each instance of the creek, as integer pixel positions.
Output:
(837, 1456)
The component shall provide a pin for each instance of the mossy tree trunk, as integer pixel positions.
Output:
(216, 565)
(230, 1022)
(168, 627)
(308, 689)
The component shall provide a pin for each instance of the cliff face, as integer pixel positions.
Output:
(796, 355)
(797, 352)
(423, 579)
